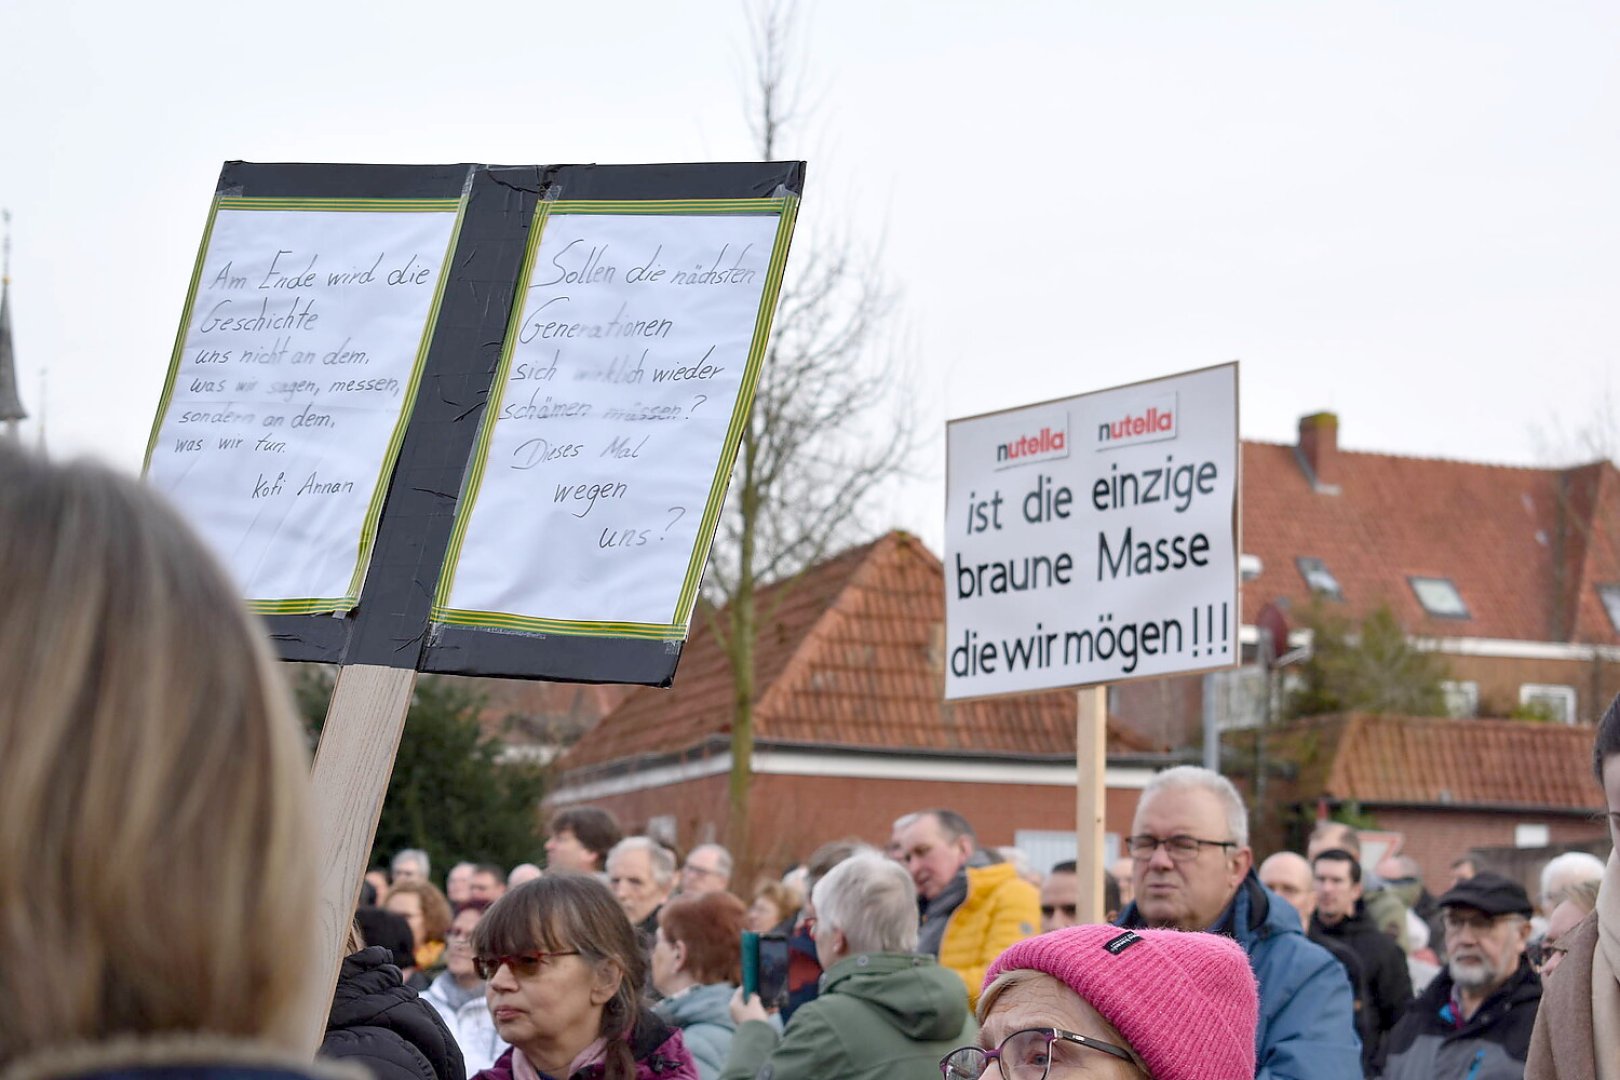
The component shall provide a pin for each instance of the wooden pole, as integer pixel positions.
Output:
(1091, 791)
(352, 767)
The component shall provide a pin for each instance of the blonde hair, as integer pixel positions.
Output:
(156, 872)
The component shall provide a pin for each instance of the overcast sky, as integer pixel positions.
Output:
(1402, 212)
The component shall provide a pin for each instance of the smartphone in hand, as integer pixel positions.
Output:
(765, 968)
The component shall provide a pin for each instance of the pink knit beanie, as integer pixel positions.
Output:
(1186, 1002)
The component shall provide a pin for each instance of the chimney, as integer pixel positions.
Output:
(1318, 451)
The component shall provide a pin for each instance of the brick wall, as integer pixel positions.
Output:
(1435, 837)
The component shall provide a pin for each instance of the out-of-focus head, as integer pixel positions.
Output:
(1606, 763)
(1060, 897)
(580, 839)
(1338, 883)
(522, 874)
(699, 941)
(1327, 835)
(1289, 876)
(488, 882)
(594, 966)
(933, 845)
(707, 869)
(378, 880)
(642, 873)
(152, 768)
(1487, 922)
(421, 904)
(1123, 871)
(865, 904)
(1131, 990)
(1562, 871)
(458, 953)
(455, 883)
(774, 903)
(1190, 843)
(410, 865)
(1565, 917)
(1464, 868)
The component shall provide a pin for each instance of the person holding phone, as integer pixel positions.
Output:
(694, 965)
(883, 1011)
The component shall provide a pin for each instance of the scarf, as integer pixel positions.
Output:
(427, 954)
(1606, 976)
(593, 1054)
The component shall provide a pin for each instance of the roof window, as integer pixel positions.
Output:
(1439, 597)
(1318, 578)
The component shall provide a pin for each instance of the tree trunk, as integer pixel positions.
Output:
(742, 660)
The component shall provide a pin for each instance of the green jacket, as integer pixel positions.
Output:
(879, 1016)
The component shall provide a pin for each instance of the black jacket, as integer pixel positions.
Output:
(376, 1019)
(1386, 980)
(1428, 1043)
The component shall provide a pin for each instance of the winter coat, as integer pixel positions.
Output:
(658, 1048)
(999, 908)
(1561, 1044)
(1386, 980)
(703, 1014)
(879, 1016)
(1307, 1028)
(188, 1056)
(470, 1022)
(386, 1026)
(1430, 1044)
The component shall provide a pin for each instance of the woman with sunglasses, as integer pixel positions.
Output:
(562, 969)
(1111, 1004)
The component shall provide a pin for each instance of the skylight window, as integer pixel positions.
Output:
(1439, 597)
(1318, 578)
(1610, 595)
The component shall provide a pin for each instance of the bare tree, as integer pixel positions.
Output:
(826, 429)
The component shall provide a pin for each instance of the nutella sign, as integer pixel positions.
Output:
(1151, 420)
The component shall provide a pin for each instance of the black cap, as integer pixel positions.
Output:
(1491, 893)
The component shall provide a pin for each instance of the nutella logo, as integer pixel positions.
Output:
(1030, 446)
(1151, 421)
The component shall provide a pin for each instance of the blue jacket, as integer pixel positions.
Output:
(1307, 1027)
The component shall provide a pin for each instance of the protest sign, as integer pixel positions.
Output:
(1095, 538)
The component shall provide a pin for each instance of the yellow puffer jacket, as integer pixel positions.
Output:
(1000, 908)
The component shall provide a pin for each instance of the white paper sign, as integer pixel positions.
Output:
(1093, 539)
(297, 363)
(600, 472)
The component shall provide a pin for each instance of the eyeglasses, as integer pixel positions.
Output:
(523, 965)
(1023, 1055)
(1069, 910)
(1479, 922)
(1181, 848)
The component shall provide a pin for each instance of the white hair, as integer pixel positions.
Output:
(410, 854)
(872, 900)
(659, 857)
(1565, 870)
(1193, 776)
(721, 856)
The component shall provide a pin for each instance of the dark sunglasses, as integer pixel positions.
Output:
(1067, 909)
(523, 965)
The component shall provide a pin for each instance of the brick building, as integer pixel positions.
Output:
(851, 729)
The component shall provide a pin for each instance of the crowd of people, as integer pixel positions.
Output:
(165, 926)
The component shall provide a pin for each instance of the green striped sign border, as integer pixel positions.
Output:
(676, 628)
(368, 528)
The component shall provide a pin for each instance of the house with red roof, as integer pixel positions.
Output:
(1511, 575)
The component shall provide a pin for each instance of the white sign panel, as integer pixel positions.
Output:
(604, 460)
(1093, 539)
(290, 384)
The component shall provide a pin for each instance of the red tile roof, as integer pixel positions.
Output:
(1525, 548)
(850, 655)
(1429, 761)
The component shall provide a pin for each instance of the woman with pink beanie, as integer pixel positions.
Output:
(1099, 1001)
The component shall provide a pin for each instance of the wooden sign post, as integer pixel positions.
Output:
(1093, 540)
(466, 419)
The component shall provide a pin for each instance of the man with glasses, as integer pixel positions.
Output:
(707, 869)
(1193, 870)
(1474, 1020)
